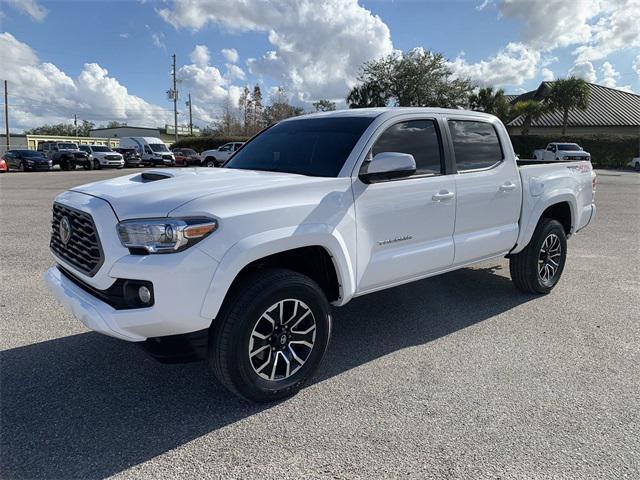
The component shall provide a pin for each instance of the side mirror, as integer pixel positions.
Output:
(388, 166)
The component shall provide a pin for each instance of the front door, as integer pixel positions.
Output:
(405, 226)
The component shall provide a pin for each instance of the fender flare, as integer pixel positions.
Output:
(534, 214)
(267, 243)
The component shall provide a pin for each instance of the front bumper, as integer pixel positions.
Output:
(180, 284)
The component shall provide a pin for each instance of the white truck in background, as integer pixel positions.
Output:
(562, 152)
(153, 151)
(242, 263)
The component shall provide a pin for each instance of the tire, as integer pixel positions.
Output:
(21, 167)
(527, 272)
(636, 167)
(210, 162)
(245, 311)
(65, 165)
(88, 165)
(96, 164)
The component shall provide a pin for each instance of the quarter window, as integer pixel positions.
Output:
(475, 144)
(419, 138)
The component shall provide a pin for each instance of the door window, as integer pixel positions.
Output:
(419, 138)
(475, 144)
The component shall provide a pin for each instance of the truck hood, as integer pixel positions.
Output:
(573, 153)
(155, 193)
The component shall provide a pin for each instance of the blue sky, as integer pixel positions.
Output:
(317, 47)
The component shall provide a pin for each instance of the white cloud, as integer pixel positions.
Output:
(598, 27)
(617, 29)
(30, 7)
(158, 40)
(512, 65)
(636, 65)
(124, 35)
(231, 54)
(234, 72)
(610, 77)
(209, 88)
(547, 75)
(200, 55)
(42, 93)
(318, 47)
(584, 70)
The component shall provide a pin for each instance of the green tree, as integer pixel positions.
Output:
(324, 106)
(280, 108)
(418, 78)
(115, 124)
(491, 101)
(531, 110)
(256, 120)
(62, 129)
(566, 95)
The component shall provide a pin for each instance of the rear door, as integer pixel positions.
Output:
(488, 189)
(405, 226)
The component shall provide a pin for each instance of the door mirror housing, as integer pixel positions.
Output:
(388, 166)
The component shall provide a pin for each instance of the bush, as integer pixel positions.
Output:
(200, 144)
(606, 150)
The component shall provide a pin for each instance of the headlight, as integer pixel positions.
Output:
(164, 235)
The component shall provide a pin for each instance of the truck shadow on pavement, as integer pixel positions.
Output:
(88, 406)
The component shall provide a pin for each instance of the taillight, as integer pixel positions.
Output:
(594, 183)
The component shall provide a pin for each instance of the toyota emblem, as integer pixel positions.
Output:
(65, 230)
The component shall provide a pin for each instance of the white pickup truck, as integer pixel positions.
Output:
(243, 262)
(562, 152)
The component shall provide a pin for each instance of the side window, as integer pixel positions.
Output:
(475, 144)
(419, 138)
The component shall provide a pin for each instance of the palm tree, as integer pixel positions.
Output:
(532, 110)
(566, 95)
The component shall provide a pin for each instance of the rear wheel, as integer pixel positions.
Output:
(210, 162)
(65, 165)
(271, 335)
(537, 268)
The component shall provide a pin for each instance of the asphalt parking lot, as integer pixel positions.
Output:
(458, 376)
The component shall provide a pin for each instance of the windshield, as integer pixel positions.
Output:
(569, 146)
(67, 146)
(188, 151)
(314, 146)
(100, 148)
(158, 147)
(29, 153)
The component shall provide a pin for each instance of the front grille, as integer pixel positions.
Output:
(83, 249)
(112, 157)
(167, 157)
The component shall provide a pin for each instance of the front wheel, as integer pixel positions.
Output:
(270, 336)
(537, 268)
(210, 162)
(96, 164)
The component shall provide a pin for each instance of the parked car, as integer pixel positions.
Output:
(216, 157)
(557, 151)
(3, 165)
(65, 154)
(186, 156)
(242, 263)
(130, 155)
(103, 157)
(26, 160)
(152, 150)
(635, 163)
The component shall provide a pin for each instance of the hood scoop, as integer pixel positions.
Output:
(152, 176)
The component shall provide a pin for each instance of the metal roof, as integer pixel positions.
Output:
(608, 107)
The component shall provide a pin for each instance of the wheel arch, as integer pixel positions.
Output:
(312, 250)
(557, 206)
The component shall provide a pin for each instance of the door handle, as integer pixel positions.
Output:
(508, 187)
(443, 195)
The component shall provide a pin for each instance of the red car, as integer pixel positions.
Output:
(3, 166)
(186, 157)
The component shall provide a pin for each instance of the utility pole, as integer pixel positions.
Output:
(6, 114)
(175, 100)
(75, 123)
(190, 116)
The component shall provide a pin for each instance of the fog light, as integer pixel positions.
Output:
(145, 294)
